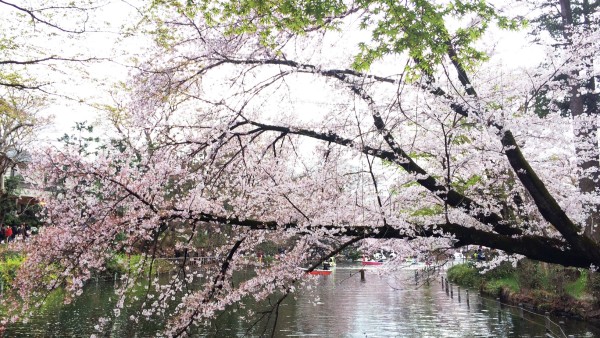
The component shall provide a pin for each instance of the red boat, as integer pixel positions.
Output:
(320, 272)
(377, 261)
(371, 263)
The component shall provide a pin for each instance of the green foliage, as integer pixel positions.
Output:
(32, 215)
(492, 282)
(461, 139)
(13, 79)
(13, 214)
(418, 155)
(495, 286)
(84, 139)
(8, 201)
(428, 211)
(354, 254)
(12, 184)
(121, 263)
(577, 288)
(593, 286)
(461, 185)
(531, 275)
(541, 280)
(7, 44)
(269, 248)
(416, 27)
(466, 275)
(9, 265)
(264, 18)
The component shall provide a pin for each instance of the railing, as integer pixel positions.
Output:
(202, 260)
(553, 329)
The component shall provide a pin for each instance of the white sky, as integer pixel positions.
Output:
(511, 50)
(97, 78)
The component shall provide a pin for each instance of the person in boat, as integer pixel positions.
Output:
(480, 255)
(380, 257)
(326, 265)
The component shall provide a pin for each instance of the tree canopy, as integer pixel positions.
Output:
(323, 124)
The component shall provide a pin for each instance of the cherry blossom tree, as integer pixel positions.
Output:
(318, 125)
(19, 123)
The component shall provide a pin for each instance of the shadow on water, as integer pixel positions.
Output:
(338, 305)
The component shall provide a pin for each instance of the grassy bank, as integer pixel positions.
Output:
(541, 286)
(10, 261)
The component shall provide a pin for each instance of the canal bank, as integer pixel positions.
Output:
(543, 289)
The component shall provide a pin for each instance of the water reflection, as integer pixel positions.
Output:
(340, 305)
(390, 305)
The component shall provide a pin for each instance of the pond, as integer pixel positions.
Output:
(385, 304)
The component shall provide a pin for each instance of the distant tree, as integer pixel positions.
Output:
(20, 122)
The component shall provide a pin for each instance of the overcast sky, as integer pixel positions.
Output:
(511, 49)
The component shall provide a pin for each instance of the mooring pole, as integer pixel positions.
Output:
(499, 309)
(521, 310)
(362, 275)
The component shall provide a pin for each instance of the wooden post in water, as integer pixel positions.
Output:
(467, 296)
(362, 275)
(451, 291)
(447, 285)
(458, 292)
(499, 309)
(521, 310)
(547, 321)
(442, 277)
(416, 277)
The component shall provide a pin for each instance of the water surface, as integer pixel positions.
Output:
(385, 304)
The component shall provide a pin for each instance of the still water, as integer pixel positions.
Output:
(386, 304)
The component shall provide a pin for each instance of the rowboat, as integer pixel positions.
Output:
(320, 272)
(372, 262)
(379, 258)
